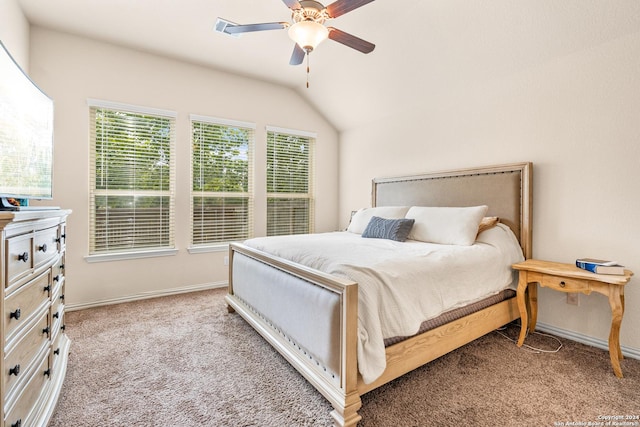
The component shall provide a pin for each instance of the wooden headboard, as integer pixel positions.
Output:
(505, 189)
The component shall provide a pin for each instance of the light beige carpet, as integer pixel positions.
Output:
(184, 361)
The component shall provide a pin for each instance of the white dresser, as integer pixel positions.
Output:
(35, 346)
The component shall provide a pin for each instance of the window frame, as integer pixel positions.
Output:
(249, 194)
(145, 251)
(310, 194)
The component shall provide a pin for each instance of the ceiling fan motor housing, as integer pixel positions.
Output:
(310, 11)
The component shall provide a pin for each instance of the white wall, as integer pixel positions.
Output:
(576, 117)
(71, 69)
(14, 32)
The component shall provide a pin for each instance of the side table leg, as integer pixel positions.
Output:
(533, 306)
(523, 306)
(620, 356)
(616, 301)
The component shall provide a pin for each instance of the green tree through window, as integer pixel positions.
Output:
(289, 184)
(222, 199)
(132, 180)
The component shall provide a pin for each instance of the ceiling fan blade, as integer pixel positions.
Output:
(297, 56)
(340, 7)
(350, 40)
(236, 29)
(292, 4)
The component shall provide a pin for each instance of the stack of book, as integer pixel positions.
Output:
(600, 266)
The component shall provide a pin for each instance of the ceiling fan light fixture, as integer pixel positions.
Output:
(308, 34)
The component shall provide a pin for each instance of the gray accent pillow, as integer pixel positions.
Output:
(392, 229)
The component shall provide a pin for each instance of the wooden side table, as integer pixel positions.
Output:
(569, 278)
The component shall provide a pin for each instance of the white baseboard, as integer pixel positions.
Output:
(146, 295)
(630, 352)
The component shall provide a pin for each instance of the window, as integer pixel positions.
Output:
(222, 181)
(132, 173)
(289, 182)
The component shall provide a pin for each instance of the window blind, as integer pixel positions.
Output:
(222, 181)
(132, 179)
(290, 202)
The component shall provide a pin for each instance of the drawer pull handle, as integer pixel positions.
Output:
(56, 278)
(24, 257)
(62, 297)
(47, 373)
(562, 284)
(15, 370)
(63, 327)
(56, 351)
(55, 315)
(47, 288)
(18, 423)
(46, 330)
(15, 314)
(43, 247)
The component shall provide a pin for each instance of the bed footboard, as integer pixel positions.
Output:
(307, 316)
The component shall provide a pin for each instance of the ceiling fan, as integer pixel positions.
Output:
(308, 27)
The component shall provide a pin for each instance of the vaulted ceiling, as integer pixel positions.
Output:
(424, 48)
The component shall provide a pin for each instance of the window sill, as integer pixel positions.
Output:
(120, 256)
(224, 247)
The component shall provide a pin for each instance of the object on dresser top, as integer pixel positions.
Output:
(600, 266)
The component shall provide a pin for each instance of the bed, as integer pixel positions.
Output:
(324, 341)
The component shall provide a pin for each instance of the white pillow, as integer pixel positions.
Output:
(361, 218)
(447, 226)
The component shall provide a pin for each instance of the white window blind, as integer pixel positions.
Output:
(290, 203)
(132, 178)
(222, 181)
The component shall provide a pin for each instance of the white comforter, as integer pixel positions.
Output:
(402, 284)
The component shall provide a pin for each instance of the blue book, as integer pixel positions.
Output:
(600, 266)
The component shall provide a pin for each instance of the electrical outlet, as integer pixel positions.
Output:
(573, 298)
(226, 260)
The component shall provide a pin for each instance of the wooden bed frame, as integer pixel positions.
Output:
(506, 189)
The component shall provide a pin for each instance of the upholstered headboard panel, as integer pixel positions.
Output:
(506, 189)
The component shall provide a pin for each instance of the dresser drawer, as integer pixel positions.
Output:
(57, 346)
(62, 237)
(21, 357)
(564, 284)
(45, 246)
(58, 271)
(22, 304)
(22, 404)
(19, 257)
(57, 318)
